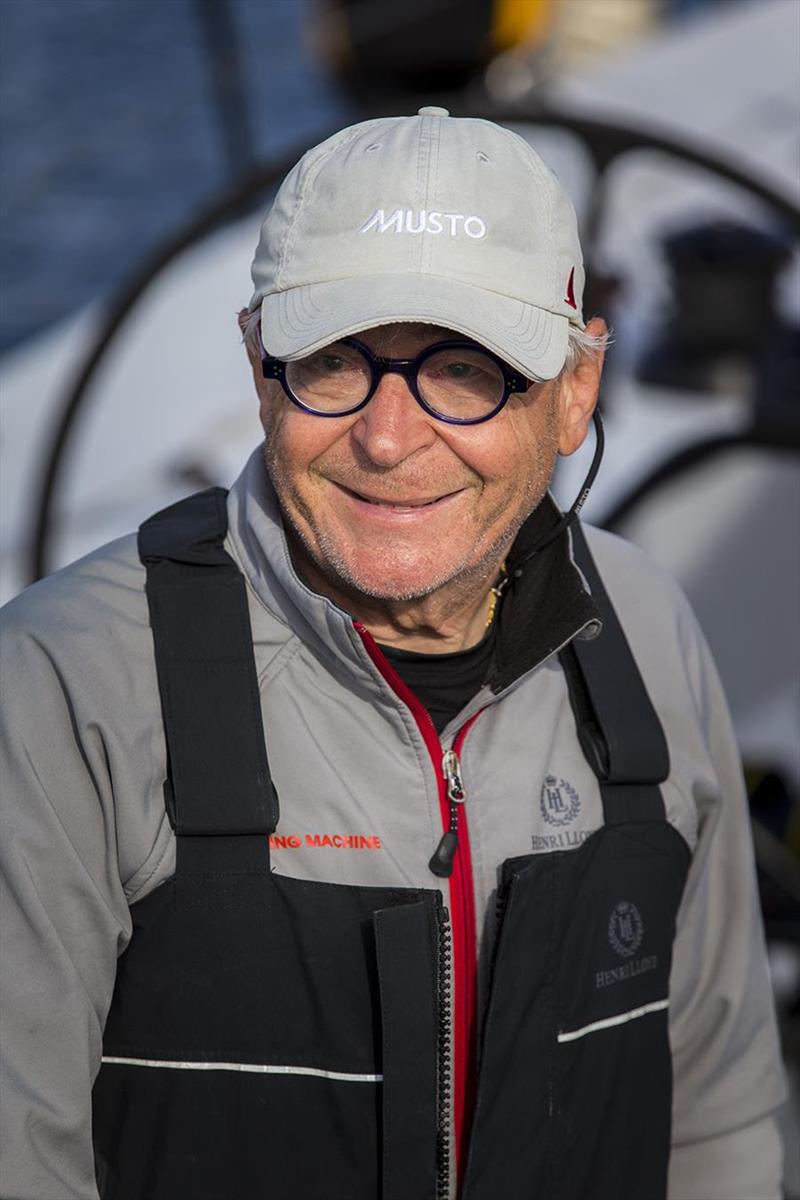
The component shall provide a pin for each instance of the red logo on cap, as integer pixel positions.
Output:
(570, 296)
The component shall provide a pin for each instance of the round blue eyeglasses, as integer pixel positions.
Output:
(454, 381)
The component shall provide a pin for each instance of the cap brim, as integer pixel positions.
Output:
(302, 319)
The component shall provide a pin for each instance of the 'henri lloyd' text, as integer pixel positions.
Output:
(558, 841)
(617, 974)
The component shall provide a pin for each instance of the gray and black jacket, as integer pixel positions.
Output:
(230, 938)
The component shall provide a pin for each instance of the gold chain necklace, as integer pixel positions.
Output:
(496, 592)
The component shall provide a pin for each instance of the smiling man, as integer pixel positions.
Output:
(374, 830)
(402, 510)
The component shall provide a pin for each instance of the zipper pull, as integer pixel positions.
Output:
(441, 862)
(451, 769)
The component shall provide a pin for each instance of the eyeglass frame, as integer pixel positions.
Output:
(513, 381)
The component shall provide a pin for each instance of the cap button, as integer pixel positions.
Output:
(433, 110)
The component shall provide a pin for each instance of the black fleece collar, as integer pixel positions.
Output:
(545, 606)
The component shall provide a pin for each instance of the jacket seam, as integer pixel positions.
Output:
(134, 896)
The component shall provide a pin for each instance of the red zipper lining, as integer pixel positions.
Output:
(462, 906)
(465, 970)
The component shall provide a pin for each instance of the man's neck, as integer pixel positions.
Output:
(452, 618)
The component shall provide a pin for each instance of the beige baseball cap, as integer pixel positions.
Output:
(452, 221)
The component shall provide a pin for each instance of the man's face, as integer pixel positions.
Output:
(391, 503)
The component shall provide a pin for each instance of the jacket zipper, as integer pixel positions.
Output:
(461, 1052)
(444, 1059)
(465, 966)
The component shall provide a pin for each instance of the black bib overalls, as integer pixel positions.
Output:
(281, 1039)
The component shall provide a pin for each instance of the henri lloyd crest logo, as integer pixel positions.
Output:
(625, 928)
(625, 934)
(560, 803)
(421, 220)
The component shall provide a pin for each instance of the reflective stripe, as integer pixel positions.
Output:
(619, 1019)
(252, 1068)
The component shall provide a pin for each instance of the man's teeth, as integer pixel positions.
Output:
(399, 503)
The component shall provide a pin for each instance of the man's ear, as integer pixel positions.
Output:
(579, 389)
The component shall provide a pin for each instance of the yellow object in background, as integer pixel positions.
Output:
(515, 22)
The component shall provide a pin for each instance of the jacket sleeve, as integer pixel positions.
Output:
(728, 1079)
(742, 1164)
(64, 920)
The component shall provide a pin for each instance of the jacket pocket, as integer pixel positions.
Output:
(574, 1095)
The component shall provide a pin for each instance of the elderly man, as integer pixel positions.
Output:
(375, 831)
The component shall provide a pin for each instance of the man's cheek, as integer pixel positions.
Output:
(269, 418)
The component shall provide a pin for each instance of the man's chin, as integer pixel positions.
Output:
(346, 569)
(399, 586)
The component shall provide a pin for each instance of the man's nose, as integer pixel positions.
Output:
(393, 426)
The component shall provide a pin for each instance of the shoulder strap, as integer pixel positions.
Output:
(218, 774)
(619, 730)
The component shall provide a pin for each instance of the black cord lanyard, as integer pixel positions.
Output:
(574, 511)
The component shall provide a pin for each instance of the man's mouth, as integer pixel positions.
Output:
(404, 504)
(396, 503)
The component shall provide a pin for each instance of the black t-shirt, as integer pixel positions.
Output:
(444, 682)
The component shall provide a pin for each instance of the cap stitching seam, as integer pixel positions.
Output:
(489, 321)
(310, 176)
(542, 176)
(433, 168)
(423, 139)
(552, 248)
(432, 275)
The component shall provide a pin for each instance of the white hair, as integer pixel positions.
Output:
(580, 345)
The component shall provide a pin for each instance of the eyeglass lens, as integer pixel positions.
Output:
(457, 382)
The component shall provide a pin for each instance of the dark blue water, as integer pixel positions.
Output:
(111, 138)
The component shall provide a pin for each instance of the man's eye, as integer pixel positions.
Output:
(331, 363)
(461, 370)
